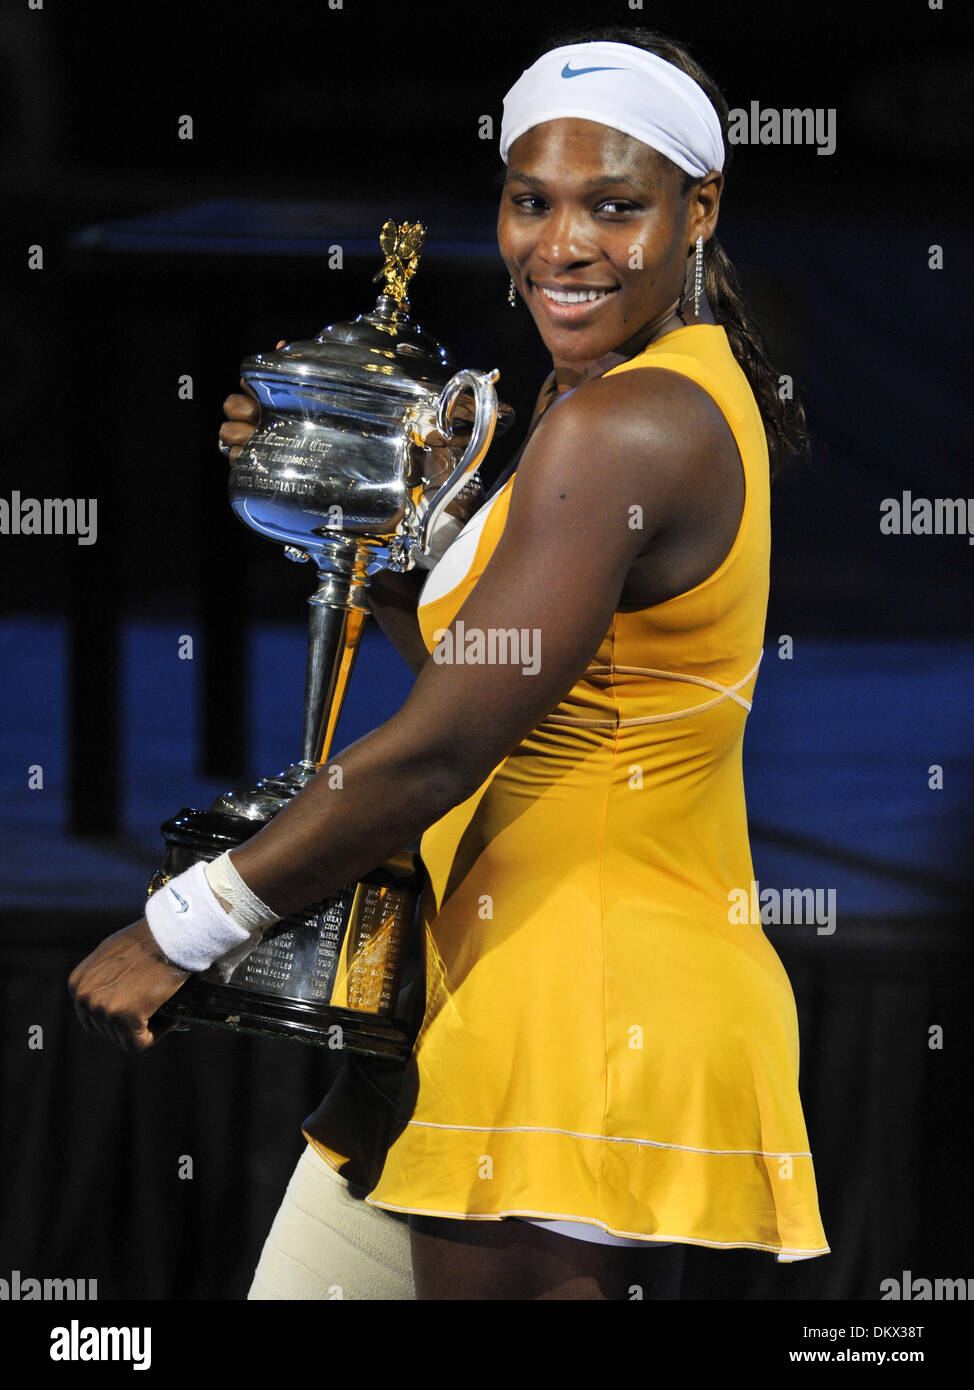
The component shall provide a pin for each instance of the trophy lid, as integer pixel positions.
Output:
(382, 351)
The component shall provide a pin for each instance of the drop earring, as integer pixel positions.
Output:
(512, 294)
(698, 277)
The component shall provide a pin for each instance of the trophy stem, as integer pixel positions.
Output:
(336, 622)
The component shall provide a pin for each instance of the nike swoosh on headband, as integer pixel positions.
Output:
(183, 904)
(569, 71)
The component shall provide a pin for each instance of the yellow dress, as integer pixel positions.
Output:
(603, 1041)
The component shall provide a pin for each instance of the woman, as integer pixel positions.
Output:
(608, 1061)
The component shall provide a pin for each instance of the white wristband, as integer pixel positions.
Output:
(190, 926)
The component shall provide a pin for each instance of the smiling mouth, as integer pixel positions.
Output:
(580, 296)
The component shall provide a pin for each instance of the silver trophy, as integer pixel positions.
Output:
(357, 465)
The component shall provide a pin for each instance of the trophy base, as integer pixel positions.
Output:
(327, 976)
(294, 1020)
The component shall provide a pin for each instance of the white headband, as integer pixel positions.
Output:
(626, 88)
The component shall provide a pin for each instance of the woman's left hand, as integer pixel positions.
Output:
(121, 984)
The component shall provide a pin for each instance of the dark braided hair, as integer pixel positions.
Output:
(784, 420)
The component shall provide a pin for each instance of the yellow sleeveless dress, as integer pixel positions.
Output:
(601, 1043)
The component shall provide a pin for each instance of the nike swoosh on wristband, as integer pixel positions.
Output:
(568, 71)
(183, 904)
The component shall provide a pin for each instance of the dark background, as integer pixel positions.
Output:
(163, 257)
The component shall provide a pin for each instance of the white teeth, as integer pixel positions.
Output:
(574, 296)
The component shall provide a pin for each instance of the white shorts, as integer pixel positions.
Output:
(581, 1230)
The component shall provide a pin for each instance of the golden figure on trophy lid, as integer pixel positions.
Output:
(401, 246)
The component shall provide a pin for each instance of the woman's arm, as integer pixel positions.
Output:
(646, 439)
(650, 439)
(392, 600)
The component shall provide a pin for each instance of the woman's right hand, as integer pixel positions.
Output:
(243, 414)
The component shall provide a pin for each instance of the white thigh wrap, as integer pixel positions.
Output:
(326, 1244)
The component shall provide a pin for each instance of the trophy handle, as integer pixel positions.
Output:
(485, 419)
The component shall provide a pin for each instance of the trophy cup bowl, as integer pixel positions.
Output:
(355, 466)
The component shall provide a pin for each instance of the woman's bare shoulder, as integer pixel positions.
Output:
(649, 421)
